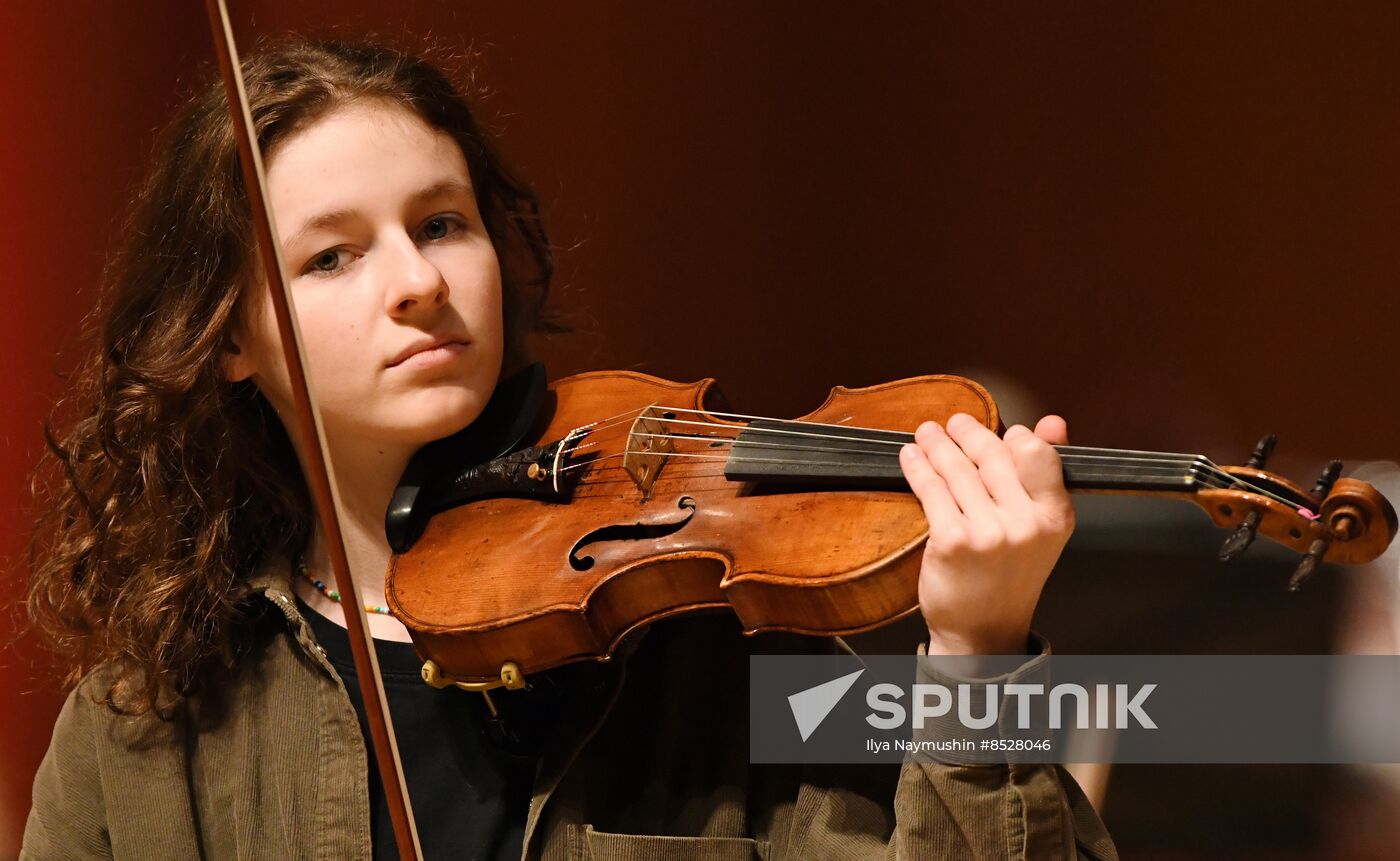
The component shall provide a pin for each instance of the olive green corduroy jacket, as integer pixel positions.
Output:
(651, 765)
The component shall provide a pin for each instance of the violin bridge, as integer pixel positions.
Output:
(648, 444)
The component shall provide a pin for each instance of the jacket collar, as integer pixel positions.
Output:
(274, 573)
(272, 579)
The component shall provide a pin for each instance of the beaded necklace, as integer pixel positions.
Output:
(332, 593)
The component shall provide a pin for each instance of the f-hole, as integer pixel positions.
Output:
(630, 532)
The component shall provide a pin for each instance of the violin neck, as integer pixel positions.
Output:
(771, 451)
(1091, 470)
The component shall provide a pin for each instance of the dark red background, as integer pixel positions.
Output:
(1174, 223)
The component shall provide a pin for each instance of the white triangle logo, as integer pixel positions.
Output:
(810, 707)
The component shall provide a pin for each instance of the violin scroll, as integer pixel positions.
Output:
(1339, 520)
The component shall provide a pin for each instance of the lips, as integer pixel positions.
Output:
(423, 346)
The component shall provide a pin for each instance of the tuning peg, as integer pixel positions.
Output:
(1262, 451)
(1311, 560)
(1241, 538)
(1327, 479)
(1244, 534)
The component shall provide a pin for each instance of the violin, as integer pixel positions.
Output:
(570, 515)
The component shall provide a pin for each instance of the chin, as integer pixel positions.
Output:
(439, 413)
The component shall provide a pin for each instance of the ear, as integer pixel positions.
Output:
(238, 362)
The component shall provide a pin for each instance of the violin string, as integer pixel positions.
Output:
(1067, 452)
(1061, 448)
(1144, 455)
(1161, 454)
(715, 440)
(809, 434)
(1090, 475)
(1108, 462)
(1077, 460)
(596, 427)
(782, 431)
(1185, 461)
(1211, 477)
(1208, 480)
(1154, 461)
(1199, 460)
(620, 418)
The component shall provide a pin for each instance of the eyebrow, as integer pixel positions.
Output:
(334, 217)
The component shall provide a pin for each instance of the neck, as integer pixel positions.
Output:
(365, 476)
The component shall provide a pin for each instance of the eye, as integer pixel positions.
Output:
(441, 227)
(328, 262)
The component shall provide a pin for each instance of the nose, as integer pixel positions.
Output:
(413, 282)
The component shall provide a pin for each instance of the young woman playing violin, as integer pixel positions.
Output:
(213, 713)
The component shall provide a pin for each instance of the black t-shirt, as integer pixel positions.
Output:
(470, 787)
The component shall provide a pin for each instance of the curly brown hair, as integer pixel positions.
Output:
(164, 484)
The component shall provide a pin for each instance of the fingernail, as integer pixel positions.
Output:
(958, 417)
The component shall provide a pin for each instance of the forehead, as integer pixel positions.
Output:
(360, 150)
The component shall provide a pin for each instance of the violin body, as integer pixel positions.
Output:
(815, 560)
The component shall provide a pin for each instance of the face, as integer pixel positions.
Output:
(395, 281)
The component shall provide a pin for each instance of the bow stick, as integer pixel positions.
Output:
(312, 433)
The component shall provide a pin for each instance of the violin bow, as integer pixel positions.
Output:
(311, 430)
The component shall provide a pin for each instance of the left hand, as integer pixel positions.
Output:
(999, 516)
